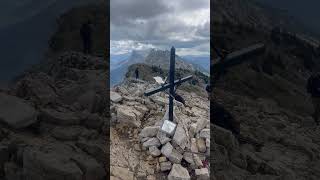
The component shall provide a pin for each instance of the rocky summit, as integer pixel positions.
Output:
(54, 123)
(140, 150)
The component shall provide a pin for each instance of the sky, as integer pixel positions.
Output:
(160, 24)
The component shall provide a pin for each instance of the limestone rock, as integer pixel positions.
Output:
(16, 112)
(165, 166)
(150, 131)
(178, 173)
(201, 123)
(201, 145)
(180, 136)
(128, 115)
(202, 174)
(154, 151)
(205, 133)
(163, 137)
(152, 142)
(172, 154)
(115, 97)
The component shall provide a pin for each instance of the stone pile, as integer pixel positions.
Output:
(191, 145)
(150, 152)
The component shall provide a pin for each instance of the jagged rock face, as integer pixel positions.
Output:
(162, 59)
(145, 151)
(61, 106)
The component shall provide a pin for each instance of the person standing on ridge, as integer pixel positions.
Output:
(137, 73)
(86, 35)
(313, 88)
(208, 89)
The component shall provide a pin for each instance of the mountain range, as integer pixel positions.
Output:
(154, 57)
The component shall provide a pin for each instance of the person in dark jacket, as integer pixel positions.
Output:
(313, 88)
(86, 35)
(137, 73)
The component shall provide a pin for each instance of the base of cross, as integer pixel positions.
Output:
(167, 126)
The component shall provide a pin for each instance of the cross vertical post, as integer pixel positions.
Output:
(171, 75)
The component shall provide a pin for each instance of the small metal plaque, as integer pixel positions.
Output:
(168, 127)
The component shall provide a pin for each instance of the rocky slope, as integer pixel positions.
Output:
(267, 96)
(54, 123)
(140, 151)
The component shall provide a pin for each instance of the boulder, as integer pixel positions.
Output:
(165, 166)
(192, 130)
(150, 131)
(201, 123)
(202, 174)
(152, 142)
(60, 118)
(172, 154)
(194, 147)
(16, 112)
(128, 115)
(162, 159)
(163, 137)
(201, 145)
(180, 137)
(205, 133)
(115, 97)
(154, 151)
(178, 173)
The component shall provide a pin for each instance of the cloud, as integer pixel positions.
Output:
(160, 24)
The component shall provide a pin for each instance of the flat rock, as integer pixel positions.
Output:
(165, 166)
(180, 137)
(150, 131)
(16, 112)
(163, 137)
(224, 137)
(152, 142)
(201, 145)
(172, 154)
(128, 115)
(205, 133)
(202, 174)
(201, 124)
(115, 97)
(154, 151)
(178, 173)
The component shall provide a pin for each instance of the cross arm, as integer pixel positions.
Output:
(166, 86)
(238, 57)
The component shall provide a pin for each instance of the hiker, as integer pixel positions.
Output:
(137, 73)
(208, 89)
(86, 35)
(313, 88)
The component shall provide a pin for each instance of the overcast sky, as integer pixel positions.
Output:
(143, 24)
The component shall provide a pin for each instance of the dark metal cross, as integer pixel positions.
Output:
(171, 85)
